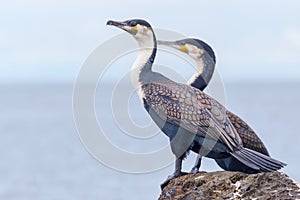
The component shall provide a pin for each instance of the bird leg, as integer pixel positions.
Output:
(197, 165)
(177, 172)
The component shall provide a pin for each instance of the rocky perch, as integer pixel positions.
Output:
(231, 185)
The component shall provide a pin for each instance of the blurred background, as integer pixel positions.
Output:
(43, 45)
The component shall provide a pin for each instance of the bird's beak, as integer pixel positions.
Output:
(122, 25)
(174, 45)
(167, 43)
(116, 24)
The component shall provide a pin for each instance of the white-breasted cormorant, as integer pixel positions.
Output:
(185, 113)
(205, 58)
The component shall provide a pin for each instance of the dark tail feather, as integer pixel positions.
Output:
(265, 161)
(264, 165)
(257, 161)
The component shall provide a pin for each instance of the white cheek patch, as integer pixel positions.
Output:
(138, 27)
(143, 34)
(144, 29)
(195, 50)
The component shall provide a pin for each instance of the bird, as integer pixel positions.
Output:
(184, 113)
(205, 58)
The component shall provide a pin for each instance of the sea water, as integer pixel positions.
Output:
(42, 156)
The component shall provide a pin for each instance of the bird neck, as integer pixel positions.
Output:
(142, 68)
(205, 70)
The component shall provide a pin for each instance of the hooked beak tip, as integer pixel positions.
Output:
(112, 23)
(109, 22)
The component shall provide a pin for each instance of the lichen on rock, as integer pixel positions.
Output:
(231, 185)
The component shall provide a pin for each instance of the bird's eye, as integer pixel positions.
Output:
(134, 23)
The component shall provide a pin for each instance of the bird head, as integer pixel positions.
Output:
(138, 28)
(193, 47)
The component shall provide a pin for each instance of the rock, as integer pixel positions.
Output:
(231, 185)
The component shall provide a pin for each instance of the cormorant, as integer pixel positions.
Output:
(185, 113)
(205, 58)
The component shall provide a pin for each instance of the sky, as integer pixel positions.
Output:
(50, 40)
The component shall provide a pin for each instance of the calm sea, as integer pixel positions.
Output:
(43, 158)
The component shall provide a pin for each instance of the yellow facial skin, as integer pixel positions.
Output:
(184, 49)
(135, 27)
(131, 29)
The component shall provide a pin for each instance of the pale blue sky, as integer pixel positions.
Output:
(49, 40)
